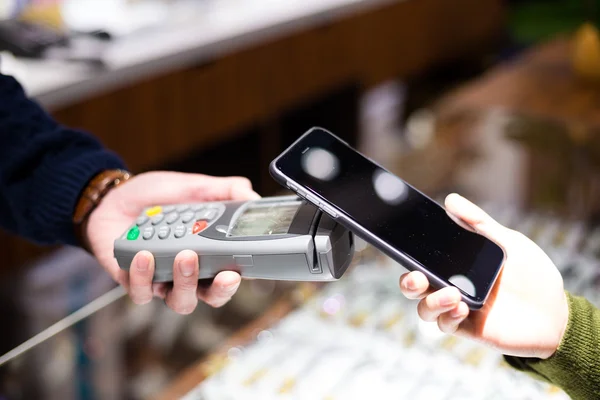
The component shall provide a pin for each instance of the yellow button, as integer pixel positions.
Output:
(151, 212)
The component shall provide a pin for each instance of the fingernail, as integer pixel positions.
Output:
(187, 268)
(231, 288)
(410, 284)
(455, 313)
(143, 263)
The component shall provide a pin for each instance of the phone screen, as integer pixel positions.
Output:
(392, 211)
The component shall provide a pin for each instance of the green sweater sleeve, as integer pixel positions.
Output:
(575, 367)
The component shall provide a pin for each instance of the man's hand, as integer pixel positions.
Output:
(124, 204)
(527, 311)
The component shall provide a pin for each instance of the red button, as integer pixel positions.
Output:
(199, 226)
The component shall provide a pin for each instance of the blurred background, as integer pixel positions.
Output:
(497, 99)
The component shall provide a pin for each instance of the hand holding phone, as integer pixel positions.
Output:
(390, 214)
(528, 310)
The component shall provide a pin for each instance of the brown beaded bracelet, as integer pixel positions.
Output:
(92, 195)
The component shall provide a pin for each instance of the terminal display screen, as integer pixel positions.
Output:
(265, 220)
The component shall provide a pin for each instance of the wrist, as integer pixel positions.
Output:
(566, 314)
(571, 367)
(91, 196)
(557, 335)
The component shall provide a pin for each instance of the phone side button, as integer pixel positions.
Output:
(292, 186)
(329, 211)
(313, 200)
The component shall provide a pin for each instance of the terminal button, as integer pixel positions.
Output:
(182, 208)
(187, 217)
(212, 214)
(199, 226)
(133, 233)
(168, 209)
(157, 219)
(180, 231)
(172, 218)
(141, 220)
(151, 212)
(208, 214)
(148, 233)
(197, 207)
(163, 232)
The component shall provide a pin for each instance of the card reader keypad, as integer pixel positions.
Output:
(168, 222)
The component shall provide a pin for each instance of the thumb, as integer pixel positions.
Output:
(176, 187)
(466, 213)
(229, 188)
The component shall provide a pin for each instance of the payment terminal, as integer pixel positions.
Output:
(276, 238)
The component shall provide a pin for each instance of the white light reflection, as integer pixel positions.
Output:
(320, 164)
(264, 336)
(389, 188)
(464, 284)
(234, 353)
(420, 128)
(333, 304)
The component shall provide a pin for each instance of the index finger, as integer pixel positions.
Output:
(243, 193)
(221, 290)
(232, 188)
(414, 285)
(141, 273)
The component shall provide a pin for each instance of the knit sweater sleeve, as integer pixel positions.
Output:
(43, 168)
(575, 367)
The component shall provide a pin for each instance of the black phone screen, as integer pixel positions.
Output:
(392, 211)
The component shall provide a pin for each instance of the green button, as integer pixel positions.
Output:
(133, 233)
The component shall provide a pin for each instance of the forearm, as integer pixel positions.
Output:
(43, 168)
(575, 367)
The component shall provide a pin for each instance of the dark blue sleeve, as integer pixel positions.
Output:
(43, 168)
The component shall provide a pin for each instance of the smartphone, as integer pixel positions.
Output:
(390, 214)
